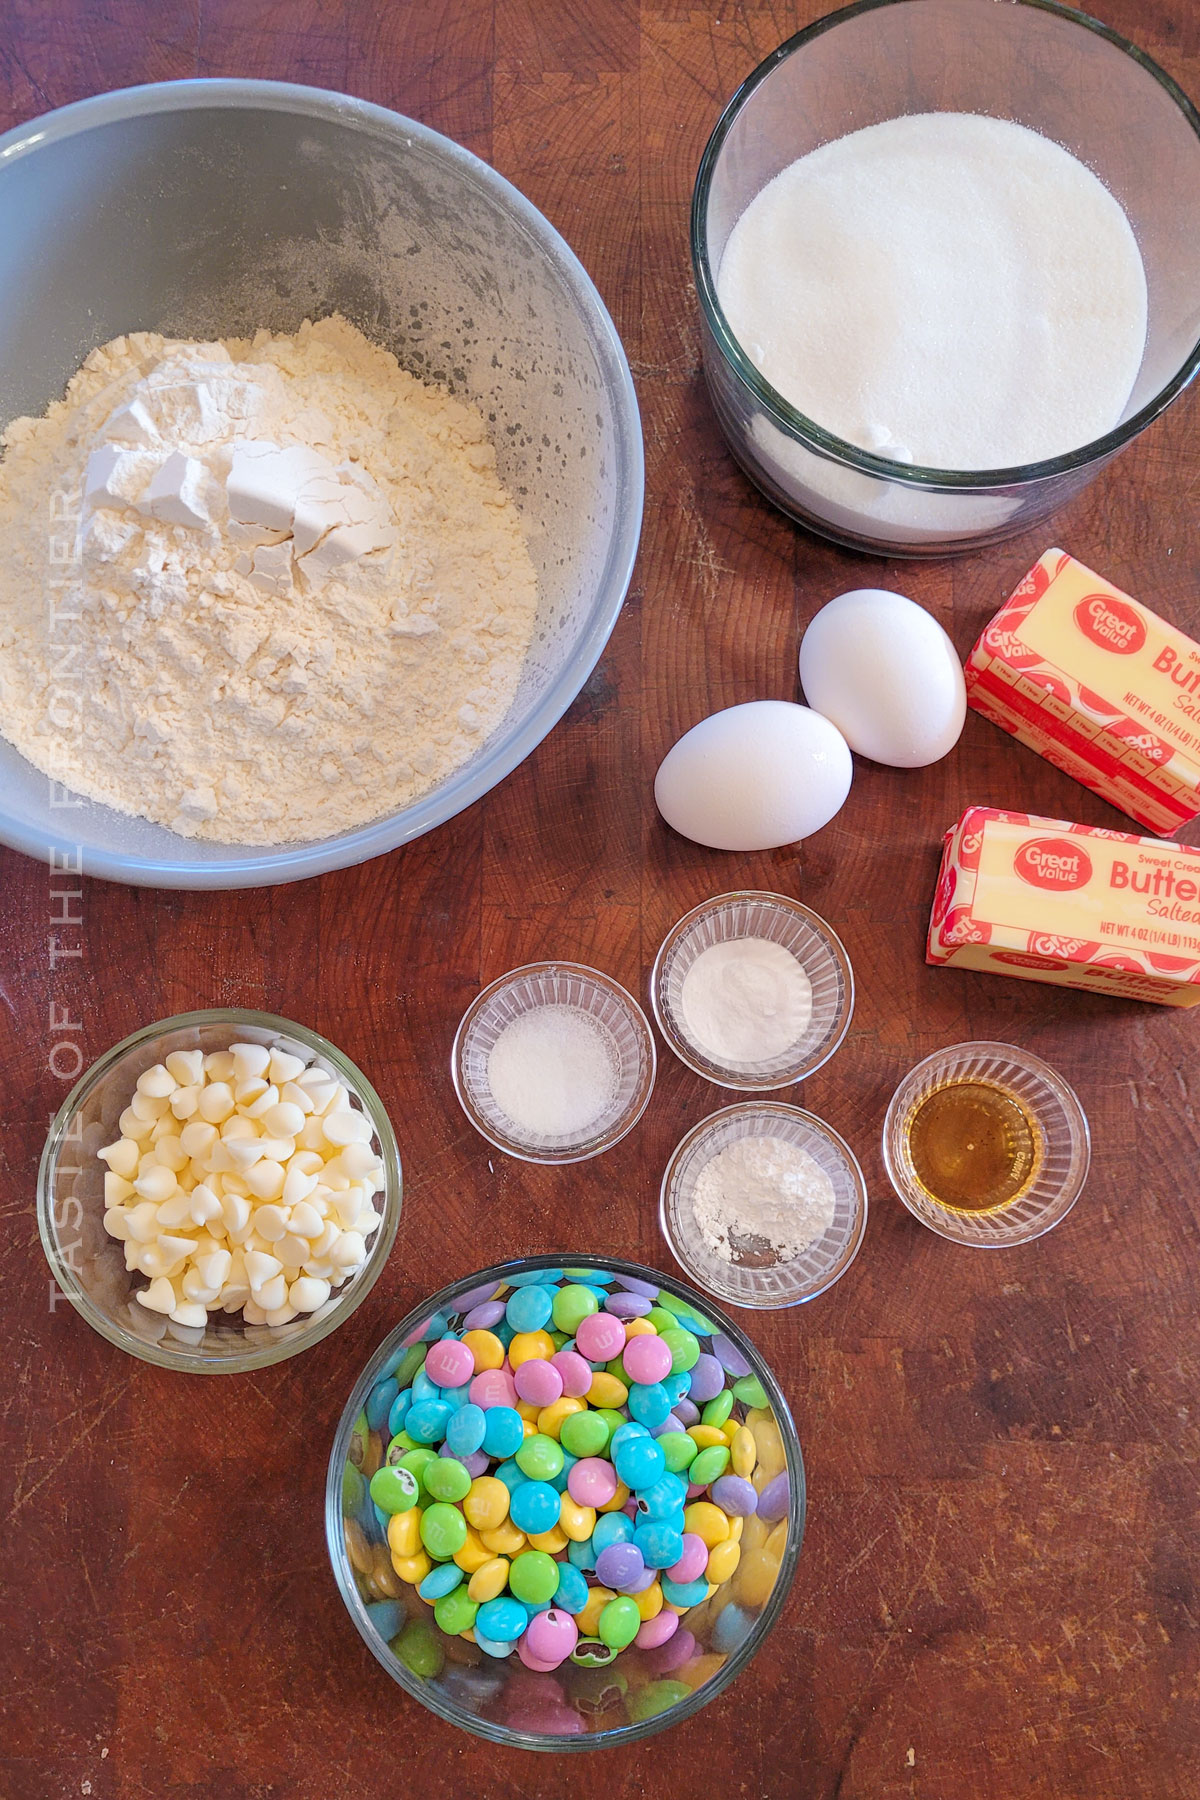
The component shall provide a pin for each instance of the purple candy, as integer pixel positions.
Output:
(678, 1649)
(482, 1318)
(642, 1583)
(729, 1356)
(477, 1463)
(632, 1284)
(627, 1306)
(708, 1379)
(652, 1633)
(670, 1423)
(619, 1564)
(476, 1297)
(735, 1496)
(687, 1410)
(558, 1721)
(775, 1499)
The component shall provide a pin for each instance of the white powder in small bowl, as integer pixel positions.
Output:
(554, 1072)
(746, 1000)
(762, 1200)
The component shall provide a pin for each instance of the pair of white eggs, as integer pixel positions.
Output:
(881, 678)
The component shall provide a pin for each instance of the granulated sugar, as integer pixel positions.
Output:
(943, 289)
(554, 1072)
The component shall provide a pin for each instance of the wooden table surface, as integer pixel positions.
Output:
(997, 1596)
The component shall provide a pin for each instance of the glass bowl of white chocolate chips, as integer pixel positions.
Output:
(219, 1191)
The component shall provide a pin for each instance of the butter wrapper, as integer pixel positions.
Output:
(1100, 686)
(1045, 900)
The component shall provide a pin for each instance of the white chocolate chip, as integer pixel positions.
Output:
(159, 1297)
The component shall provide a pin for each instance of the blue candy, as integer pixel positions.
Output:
(501, 1620)
(660, 1544)
(623, 1433)
(572, 1591)
(398, 1412)
(684, 1593)
(649, 1403)
(600, 1276)
(511, 1474)
(505, 1431)
(677, 1386)
(639, 1462)
(534, 1507)
(582, 1554)
(387, 1617)
(535, 1278)
(379, 1403)
(559, 1482)
(529, 1308)
(465, 1430)
(731, 1628)
(667, 1497)
(612, 1528)
(491, 1646)
(423, 1388)
(427, 1421)
(442, 1580)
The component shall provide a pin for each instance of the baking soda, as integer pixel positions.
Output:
(942, 289)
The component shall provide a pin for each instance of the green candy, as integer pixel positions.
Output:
(583, 1434)
(684, 1347)
(443, 1531)
(619, 1622)
(418, 1460)
(684, 1313)
(571, 1305)
(399, 1447)
(592, 1653)
(750, 1391)
(354, 1489)
(679, 1449)
(718, 1410)
(661, 1319)
(455, 1611)
(417, 1648)
(656, 1697)
(599, 1689)
(446, 1478)
(617, 1367)
(709, 1464)
(612, 1418)
(394, 1489)
(533, 1576)
(539, 1457)
(412, 1360)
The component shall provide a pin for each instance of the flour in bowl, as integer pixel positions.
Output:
(258, 591)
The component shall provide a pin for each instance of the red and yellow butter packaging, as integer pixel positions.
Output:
(1048, 901)
(1097, 684)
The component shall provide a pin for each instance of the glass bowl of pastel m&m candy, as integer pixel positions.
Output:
(565, 1503)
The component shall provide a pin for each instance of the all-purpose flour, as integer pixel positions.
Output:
(944, 289)
(256, 591)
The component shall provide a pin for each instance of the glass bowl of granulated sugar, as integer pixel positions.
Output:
(947, 256)
(554, 1062)
(763, 1204)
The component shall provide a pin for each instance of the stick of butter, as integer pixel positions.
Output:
(1097, 684)
(1070, 904)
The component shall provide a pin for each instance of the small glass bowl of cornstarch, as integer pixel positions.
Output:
(752, 991)
(763, 1205)
(554, 1062)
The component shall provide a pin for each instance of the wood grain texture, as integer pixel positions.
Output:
(997, 1598)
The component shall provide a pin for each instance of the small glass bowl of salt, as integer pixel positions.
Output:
(554, 1062)
(763, 1205)
(752, 991)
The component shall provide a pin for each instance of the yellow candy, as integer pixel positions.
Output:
(722, 1561)
(357, 1547)
(528, 1410)
(530, 1346)
(672, 1606)
(489, 1580)
(729, 1431)
(771, 1454)
(755, 1533)
(755, 1577)
(639, 1328)
(468, 1634)
(372, 1454)
(618, 1500)
(587, 1620)
(549, 1420)
(707, 1521)
(577, 1521)
(486, 1505)
(736, 1527)
(707, 1436)
(404, 1532)
(551, 1541)
(530, 1425)
(412, 1568)
(650, 1601)
(473, 1554)
(696, 1673)
(504, 1539)
(743, 1452)
(486, 1348)
(383, 1574)
(776, 1544)
(606, 1390)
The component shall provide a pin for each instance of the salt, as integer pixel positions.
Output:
(554, 1072)
(746, 1000)
(942, 289)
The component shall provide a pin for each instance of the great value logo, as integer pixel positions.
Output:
(1111, 624)
(1054, 863)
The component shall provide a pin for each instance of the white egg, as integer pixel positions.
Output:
(887, 675)
(754, 777)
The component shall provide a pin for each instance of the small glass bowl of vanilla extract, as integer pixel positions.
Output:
(986, 1144)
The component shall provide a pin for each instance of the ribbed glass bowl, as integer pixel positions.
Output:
(89, 1266)
(616, 1014)
(781, 920)
(574, 1708)
(1044, 65)
(1064, 1149)
(759, 1280)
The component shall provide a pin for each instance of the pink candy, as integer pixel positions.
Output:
(694, 1560)
(600, 1337)
(538, 1382)
(647, 1358)
(549, 1639)
(492, 1387)
(592, 1481)
(575, 1373)
(656, 1631)
(449, 1364)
